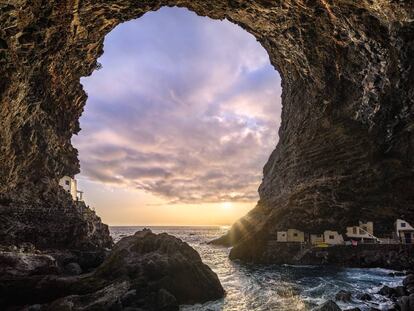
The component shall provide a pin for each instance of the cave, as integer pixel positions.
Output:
(346, 140)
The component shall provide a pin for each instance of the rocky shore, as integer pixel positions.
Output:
(389, 256)
(401, 296)
(142, 272)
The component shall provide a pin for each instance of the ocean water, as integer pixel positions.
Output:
(269, 287)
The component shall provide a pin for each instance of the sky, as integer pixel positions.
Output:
(179, 122)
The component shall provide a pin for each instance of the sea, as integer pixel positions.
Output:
(253, 287)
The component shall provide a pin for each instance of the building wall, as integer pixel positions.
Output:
(294, 235)
(282, 236)
(368, 226)
(356, 232)
(316, 238)
(69, 185)
(333, 237)
(407, 237)
(402, 225)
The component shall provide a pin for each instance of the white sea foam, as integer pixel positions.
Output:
(282, 288)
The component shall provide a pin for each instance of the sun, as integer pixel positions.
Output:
(226, 205)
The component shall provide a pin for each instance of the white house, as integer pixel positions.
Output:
(282, 236)
(404, 231)
(316, 238)
(294, 235)
(70, 185)
(332, 237)
(362, 232)
(368, 227)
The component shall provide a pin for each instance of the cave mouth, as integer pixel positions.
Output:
(176, 99)
(345, 141)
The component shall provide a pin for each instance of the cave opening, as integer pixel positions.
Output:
(181, 117)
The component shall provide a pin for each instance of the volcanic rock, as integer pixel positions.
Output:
(144, 271)
(19, 264)
(365, 297)
(346, 136)
(73, 268)
(328, 306)
(344, 296)
(165, 262)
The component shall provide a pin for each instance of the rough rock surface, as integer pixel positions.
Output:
(53, 222)
(346, 139)
(145, 271)
(394, 256)
(328, 306)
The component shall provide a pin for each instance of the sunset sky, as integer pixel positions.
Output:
(179, 122)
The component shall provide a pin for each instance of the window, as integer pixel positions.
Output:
(67, 182)
(364, 228)
(403, 225)
(295, 234)
(331, 237)
(354, 230)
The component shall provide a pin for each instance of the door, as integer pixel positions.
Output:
(407, 237)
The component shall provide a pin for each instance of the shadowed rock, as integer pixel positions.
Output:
(345, 140)
(146, 271)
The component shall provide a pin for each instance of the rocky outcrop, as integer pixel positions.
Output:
(391, 256)
(144, 271)
(346, 138)
(328, 306)
(53, 222)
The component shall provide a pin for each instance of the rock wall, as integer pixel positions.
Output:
(346, 140)
(391, 256)
(52, 221)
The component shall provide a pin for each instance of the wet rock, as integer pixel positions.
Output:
(365, 297)
(397, 274)
(387, 291)
(409, 280)
(73, 268)
(345, 139)
(403, 304)
(400, 291)
(344, 296)
(328, 306)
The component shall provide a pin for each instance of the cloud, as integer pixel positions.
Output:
(185, 107)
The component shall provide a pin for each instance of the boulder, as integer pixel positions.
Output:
(73, 268)
(344, 296)
(403, 304)
(328, 306)
(144, 271)
(365, 297)
(397, 274)
(409, 280)
(387, 291)
(400, 291)
(171, 266)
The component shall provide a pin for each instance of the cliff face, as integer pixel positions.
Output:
(53, 221)
(346, 140)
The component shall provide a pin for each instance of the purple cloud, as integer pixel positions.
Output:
(185, 107)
